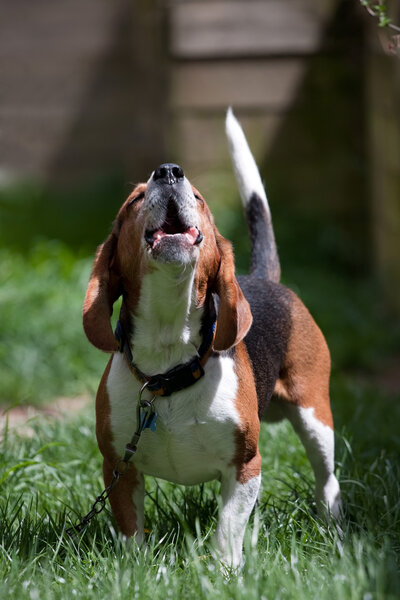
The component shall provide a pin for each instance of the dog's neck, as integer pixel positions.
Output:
(166, 321)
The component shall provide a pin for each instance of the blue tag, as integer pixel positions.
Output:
(150, 422)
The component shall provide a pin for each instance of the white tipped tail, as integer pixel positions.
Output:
(246, 170)
(264, 253)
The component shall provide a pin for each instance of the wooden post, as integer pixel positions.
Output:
(383, 113)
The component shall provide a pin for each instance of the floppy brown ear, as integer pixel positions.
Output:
(234, 314)
(103, 290)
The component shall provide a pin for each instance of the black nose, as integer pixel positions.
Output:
(168, 173)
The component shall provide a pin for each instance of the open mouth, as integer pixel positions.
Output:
(173, 229)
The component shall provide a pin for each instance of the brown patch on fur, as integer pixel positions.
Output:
(102, 292)
(304, 376)
(117, 270)
(215, 272)
(234, 314)
(247, 458)
(121, 497)
(209, 260)
(122, 505)
(103, 419)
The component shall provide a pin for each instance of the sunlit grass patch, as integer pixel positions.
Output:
(50, 479)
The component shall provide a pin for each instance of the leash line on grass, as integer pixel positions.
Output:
(145, 419)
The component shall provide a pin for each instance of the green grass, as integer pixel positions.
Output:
(43, 351)
(51, 478)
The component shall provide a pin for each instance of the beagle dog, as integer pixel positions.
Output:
(211, 353)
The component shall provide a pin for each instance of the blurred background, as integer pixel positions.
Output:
(95, 94)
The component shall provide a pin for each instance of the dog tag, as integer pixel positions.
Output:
(149, 421)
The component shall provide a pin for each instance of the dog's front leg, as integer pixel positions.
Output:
(127, 501)
(238, 495)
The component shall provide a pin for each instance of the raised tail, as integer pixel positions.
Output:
(264, 253)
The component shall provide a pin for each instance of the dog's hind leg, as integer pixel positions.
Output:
(302, 396)
(318, 440)
(127, 501)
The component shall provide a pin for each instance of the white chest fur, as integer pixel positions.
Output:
(167, 322)
(194, 440)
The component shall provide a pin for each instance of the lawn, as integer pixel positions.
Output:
(51, 477)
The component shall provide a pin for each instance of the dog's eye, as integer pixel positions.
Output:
(136, 198)
(199, 198)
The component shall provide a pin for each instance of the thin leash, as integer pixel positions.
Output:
(146, 419)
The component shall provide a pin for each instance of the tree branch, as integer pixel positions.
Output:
(379, 10)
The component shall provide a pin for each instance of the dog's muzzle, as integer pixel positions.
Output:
(172, 229)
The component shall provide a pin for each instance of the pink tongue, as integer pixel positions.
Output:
(190, 234)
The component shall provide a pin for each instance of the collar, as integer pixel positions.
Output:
(177, 378)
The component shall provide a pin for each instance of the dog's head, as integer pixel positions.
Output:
(164, 223)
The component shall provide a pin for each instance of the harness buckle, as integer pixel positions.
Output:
(176, 379)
